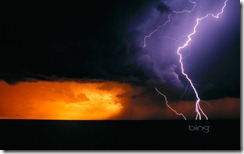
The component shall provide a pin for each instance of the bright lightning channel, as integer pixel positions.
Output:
(198, 108)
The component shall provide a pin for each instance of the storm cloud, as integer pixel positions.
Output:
(105, 43)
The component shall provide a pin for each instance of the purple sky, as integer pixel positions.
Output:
(214, 41)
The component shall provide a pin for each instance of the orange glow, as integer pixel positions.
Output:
(60, 100)
(99, 101)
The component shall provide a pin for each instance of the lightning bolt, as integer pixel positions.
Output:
(167, 21)
(167, 104)
(198, 108)
(149, 35)
(187, 11)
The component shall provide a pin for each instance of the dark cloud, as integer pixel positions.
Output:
(163, 8)
(102, 41)
(142, 103)
(67, 43)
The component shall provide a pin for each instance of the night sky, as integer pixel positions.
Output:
(88, 41)
(103, 41)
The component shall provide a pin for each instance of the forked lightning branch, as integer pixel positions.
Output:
(199, 111)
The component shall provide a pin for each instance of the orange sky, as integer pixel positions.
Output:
(98, 101)
(59, 100)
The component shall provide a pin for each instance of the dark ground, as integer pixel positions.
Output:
(118, 135)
